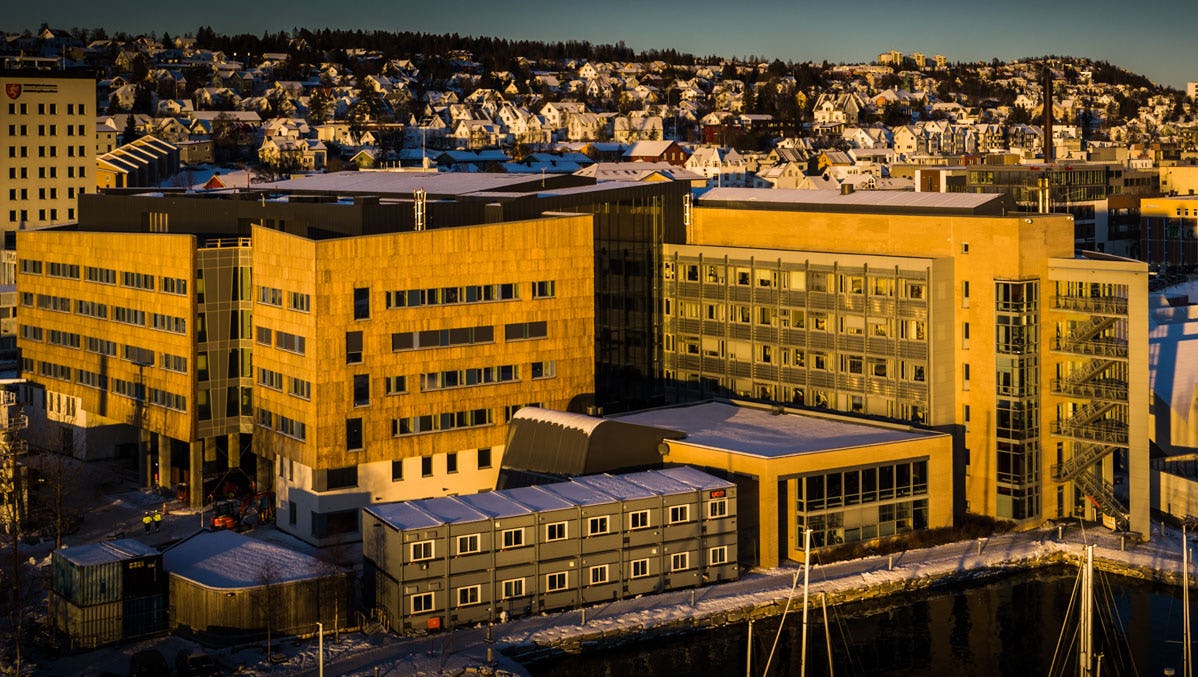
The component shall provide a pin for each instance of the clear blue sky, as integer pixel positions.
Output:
(1155, 37)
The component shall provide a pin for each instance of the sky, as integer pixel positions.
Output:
(1153, 37)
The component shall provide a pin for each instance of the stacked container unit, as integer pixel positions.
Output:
(103, 593)
(483, 557)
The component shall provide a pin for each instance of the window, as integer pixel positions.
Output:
(555, 531)
(270, 296)
(543, 369)
(640, 568)
(361, 303)
(301, 388)
(353, 434)
(598, 574)
(555, 582)
(422, 603)
(394, 385)
(597, 526)
(397, 470)
(361, 390)
(513, 538)
(717, 508)
(484, 458)
(422, 550)
(679, 513)
(289, 342)
(451, 462)
(524, 330)
(513, 588)
(638, 520)
(426, 466)
(353, 347)
(680, 561)
(341, 478)
(543, 290)
(469, 544)
(263, 335)
(299, 301)
(718, 555)
(469, 595)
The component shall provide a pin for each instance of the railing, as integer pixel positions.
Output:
(225, 242)
(1113, 432)
(1104, 496)
(1084, 456)
(1112, 348)
(1089, 330)
(1097, 390)
(1110, 305)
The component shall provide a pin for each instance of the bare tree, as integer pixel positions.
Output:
(269, 600)
(13, 497)
(55, 451)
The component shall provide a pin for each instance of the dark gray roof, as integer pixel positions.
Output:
(862, 201)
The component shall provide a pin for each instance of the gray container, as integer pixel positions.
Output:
(86, 584)
(86, 627)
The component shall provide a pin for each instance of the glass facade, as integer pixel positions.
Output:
(1017, 378)
(863, 503)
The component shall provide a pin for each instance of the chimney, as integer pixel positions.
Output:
(846, 189)
(1048, 149)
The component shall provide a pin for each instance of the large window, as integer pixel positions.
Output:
(513, 588)
(862, 503)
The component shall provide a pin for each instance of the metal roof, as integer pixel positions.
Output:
(871, 201)
(588, 490)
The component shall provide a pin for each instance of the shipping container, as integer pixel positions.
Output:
(92, 574)
(85, 627)
(144, 616)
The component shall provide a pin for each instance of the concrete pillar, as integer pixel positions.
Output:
(767, 520)
(164, 461)
(195, 474)
(234, 450)
(145, 463)
(264, 474)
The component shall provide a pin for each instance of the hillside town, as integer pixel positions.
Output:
(401, 333)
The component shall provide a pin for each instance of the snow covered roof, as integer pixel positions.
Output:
(228, 560)
(567, 444)
(108, 551)
(580, 422)
(589, 490)
(764, 433)
(866, 200)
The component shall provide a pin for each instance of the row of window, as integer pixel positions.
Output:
(46, 109)
(50, 151)
(169, 285)
(451, 464)
(283, 425)
(141, 356)
(558, 531)
(415, 425)
(23, 130)
(140, 393)
(18, 216)
(557, 581)
(272, 296)
(821, 281)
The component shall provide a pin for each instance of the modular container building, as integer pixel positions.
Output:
(102, 593)
(468, 559)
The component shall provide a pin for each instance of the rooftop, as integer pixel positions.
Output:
(762, 432)
(901, 202)
(587, 490)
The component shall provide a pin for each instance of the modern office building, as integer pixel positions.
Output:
(941, 309)
(1169, 233)
(47, 140)
(375, 346)
(461, 560)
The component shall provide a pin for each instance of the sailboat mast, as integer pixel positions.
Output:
(1187, 669)
(806, 583)
(1085, 648)
(828, 636)
(749, 652)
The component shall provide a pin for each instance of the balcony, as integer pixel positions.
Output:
(1102, 431)
(1097, 305)
(1110, 390)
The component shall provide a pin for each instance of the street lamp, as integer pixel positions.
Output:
(319, 649)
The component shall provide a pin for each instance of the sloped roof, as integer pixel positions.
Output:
(562, 443)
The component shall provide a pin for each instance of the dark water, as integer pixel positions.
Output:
(1009, 626)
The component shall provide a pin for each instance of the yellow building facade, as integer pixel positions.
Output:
(47, 140)
(986, 326)
(387, 365)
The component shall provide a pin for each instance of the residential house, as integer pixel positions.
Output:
(656, 151)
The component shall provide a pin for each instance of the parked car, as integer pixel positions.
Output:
(195, 663)
(148, 663)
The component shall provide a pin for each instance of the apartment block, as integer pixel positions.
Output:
(942, 310)
(454, 561)
(47, 140)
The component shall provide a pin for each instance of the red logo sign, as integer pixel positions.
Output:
(12, 89)
(719, 493)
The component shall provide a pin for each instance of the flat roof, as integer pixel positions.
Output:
(108, 551)
(586, 490)
(875, 201)
(228, 560)
(405, 183)
(766, 434)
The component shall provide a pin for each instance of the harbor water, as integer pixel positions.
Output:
(1006, 626)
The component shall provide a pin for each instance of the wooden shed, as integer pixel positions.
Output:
(225, 586)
